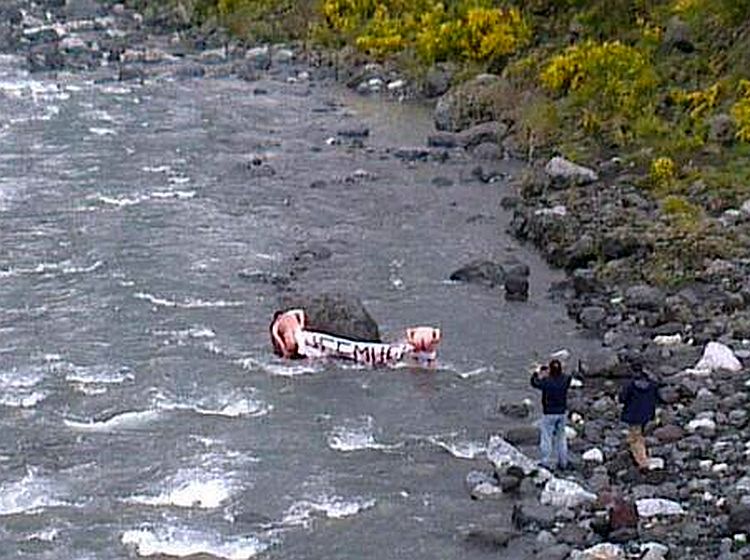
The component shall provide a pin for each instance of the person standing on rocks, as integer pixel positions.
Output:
(639, 398)
(554, 385)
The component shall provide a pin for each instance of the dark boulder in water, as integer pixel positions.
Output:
(337, 314)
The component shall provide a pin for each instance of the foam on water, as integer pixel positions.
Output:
(18, 389)
(355, 436)
(190, 488)
(334, 507)
(187, 303)
(182, 335)
(232, 405)
(123, 421)
(47, 535)
(463, 449)
(169, 195)
(101, 131)
(283, 369)
(28, 495)
(94, 380)
(63, 267)
(182, 542)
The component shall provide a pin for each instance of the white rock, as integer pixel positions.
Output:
(705, 464)
(743, 484)
(570, 433)
(502, 454)
(559, 492)
(603, 551)
(576, 383)
(701, 424)
(563, 355)
(485, 490)
(656, 463)
(396, 84)
(718, 356)
(668, 340)
(745, 208)
(720, 468)
(654, 551)
(557, 211)
(593, 455)
(651, 507)
(561, 168)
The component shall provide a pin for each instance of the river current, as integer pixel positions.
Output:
(142, 412)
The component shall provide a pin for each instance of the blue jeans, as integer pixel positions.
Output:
(553, 440)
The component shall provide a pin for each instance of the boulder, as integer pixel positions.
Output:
(480, 272)
(438, 79)
(559, 492)
(516, 288)
(489, 132)
(336, 314)
(489, 537)
(717, 356)
(502, 455)
(533, 517)
(522, 435)
(739, 518)
(472, 102)
(602, 362)
(655, 507)
(644, 297)
(602, 551)
(564, 172)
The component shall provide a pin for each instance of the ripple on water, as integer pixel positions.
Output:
(334, 507)
(129, 420)
(181, 542)
(234, 404)
(458, 447)
(186, 303)
(189, 488)
(30, 494)
(356, 435)
(18, 389)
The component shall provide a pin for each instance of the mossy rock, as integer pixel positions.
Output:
(486, 97)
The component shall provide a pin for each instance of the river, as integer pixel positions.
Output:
(141, 409)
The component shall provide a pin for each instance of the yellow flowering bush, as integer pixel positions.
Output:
(611, 76)
(490, 33)
(662, 172)
(466, 29)
(741, 111)
(699, 102)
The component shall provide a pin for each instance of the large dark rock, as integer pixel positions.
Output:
(522, 435)
(602, 362)
(739, 519)
(489, 537)
(480, 272)
(645, 297)
(471, 103)
(516, 288)
(336, 314)
(533, 517)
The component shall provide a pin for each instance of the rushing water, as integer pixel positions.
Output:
(141, 410)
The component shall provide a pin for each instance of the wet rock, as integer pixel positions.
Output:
(472, 102)
(487, 151)
(515, 409)
(533, 517)
(504, 455)
(313, 253)
(480, 272)
(354, 131)
(488, 537)
(414, 153)
(669, 433)
(45, 58)
(658, 507)
(564, 172)
(445, 140)
(556, 552)
(592, 316)
(486, 491)
(522, 435)
(645, 297)
(489, 132)
(474, 478)
(438, 79)
(739, 518)
(559, 492)
(603, 362)
(516, 288)
(336, 314)
(264, 277)
(603, 551)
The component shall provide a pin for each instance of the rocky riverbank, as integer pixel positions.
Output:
(588, 221)
(598, 224)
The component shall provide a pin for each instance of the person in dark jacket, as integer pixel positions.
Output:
(554, 385)
(639, 398)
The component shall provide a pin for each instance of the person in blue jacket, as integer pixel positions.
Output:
(554, 385)
(639, 398)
